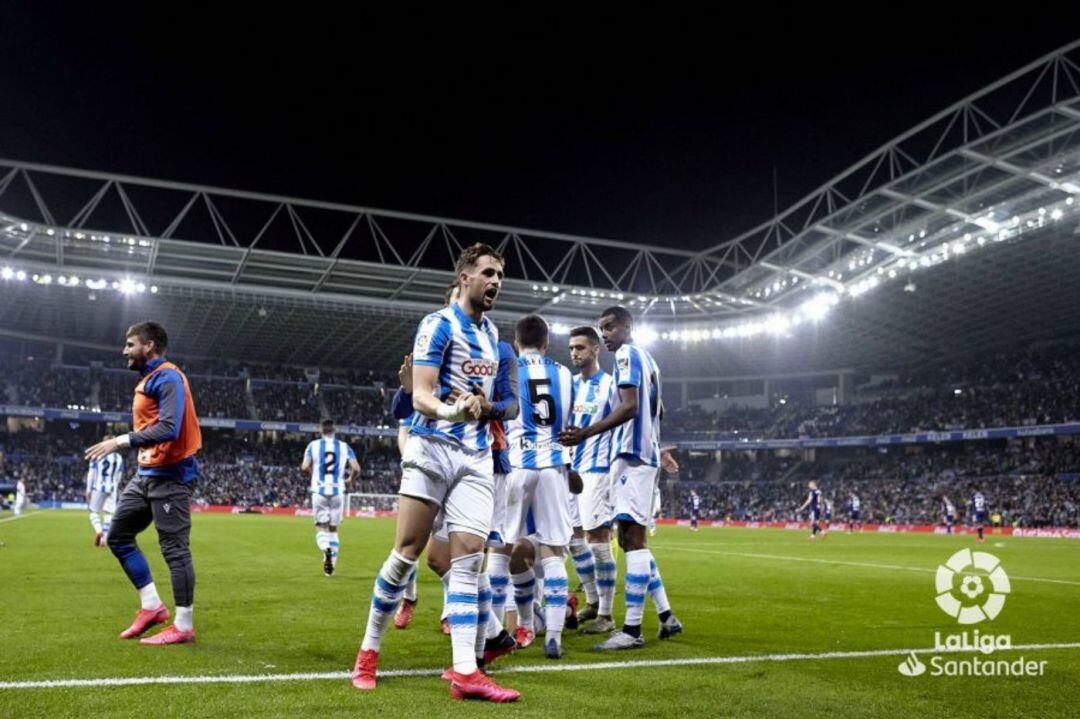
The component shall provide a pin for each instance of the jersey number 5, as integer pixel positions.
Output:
(538, 398)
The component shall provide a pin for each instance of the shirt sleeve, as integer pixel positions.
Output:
(89, 476)
(506, 385)
(401, 407)
(352, 454)
(627, 368)
(432, 339)
(167, 387)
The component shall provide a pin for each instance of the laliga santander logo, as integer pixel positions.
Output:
(479, 368)
(971, 586)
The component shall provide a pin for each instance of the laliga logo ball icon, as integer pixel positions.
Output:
(962, 591)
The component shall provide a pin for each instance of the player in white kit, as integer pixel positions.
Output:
(635, 468)
(102, 487)
(447, 467)
(594, 399)
(20, 498)
(538, 493)
(326, 460)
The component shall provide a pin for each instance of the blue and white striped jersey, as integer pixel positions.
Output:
(948, 508)
(467, 355)
(546, 391)
(329, 460)
(594, 398)
(105, 474)
(979, 502)
(638, 438)
(853, 502)
(815, 500)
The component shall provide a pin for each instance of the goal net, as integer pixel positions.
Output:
(360, 504)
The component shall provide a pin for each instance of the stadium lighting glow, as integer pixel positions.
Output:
(153, 289)
(7, 273)
(127, 286)
(1057, 214)
(558, 328)
(20, 275)
(817, 308)
(645, 335)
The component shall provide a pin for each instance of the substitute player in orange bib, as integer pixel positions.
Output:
(167, 437)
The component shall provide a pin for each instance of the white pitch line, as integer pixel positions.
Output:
(22, 516)
(528, 669)
(872, 565)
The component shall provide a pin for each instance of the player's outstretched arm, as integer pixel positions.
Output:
(626, 410)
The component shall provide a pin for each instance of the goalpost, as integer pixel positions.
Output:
(363, 504)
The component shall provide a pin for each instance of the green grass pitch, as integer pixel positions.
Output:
(263, 607)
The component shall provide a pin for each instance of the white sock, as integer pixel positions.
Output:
(556, 587)
(148, 597)
(637, 581)
(322, 540)
(524, 586)
(183, 619)
(605, 577)
(389, 586)
(585, 566)
(461, 599)
(494, 626)
(656, 588)
(410, 586)
(95, 521)
(334, 544)
(106, 522)
(483, 611)
(445, 593)
(499, 576)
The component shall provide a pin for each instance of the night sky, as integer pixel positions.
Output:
(667, 133)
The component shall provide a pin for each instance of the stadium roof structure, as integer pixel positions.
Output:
(977, 210)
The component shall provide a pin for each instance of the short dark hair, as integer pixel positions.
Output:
(327, 425)
(586, 331)
(620, 313)
(150, 332)
(449, 291)
(472, 254)
(531, 331)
